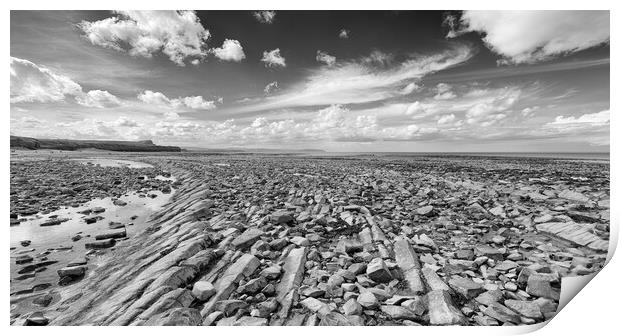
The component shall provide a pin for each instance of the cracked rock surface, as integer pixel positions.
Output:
(284, 240)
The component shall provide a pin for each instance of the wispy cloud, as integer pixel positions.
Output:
(533, 36)
(362, 81)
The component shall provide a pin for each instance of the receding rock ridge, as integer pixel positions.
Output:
(66, 144)
(250, 240)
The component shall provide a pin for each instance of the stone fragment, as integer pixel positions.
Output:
(377, 271)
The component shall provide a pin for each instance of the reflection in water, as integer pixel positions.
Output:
(114, 163)
(54, 243)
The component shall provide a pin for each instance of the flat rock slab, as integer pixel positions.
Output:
(247, 238)
(575, 233)
(101, 244)
(226, 284)
(441, 310)
(291, 279)
(409, 263)
(118, 233)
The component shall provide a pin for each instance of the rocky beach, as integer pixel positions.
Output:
(278, 239)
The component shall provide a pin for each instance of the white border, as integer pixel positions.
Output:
(593, 310)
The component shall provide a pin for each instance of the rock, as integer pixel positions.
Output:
(36, 319)
(281, 217)
(25, 243)
(316, 306)
(247, 238)
(501, 313)
(287, 288)
(267, 307)
(352, 307)
(250, 321)
(253, 286)
(487, 298)
(441, 310)
(573, 196)
(119, 233)
(399, 313)
(229, 307)
(119, 202)
(540, 286)
(101, 244)
(271, 272)
(203, 290)
(378, 271)
(368, 300)
(337, 319)
(425, 210)
(74, 271)
(300, 241)
(212, 318)
(43, 301)
(525, 308)
(465, 287)
(23, 259)
(180, 316)
(226, 284)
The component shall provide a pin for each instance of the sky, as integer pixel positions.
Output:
(342, 81)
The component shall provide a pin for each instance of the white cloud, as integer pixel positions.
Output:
(526, 112)
(177, 34)
(32, 83)
(265, 16)
(448, 118)
(591, 118)
(444, 92)
(360, 81)
(410, 88)
(273, 58)
(159, 99)
(326, 58)
(532, 36)
(230, 50)
(125, 122)
(98, 98)
(344, 34)
(269, 88)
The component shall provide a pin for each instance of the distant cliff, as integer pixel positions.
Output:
(63, 144)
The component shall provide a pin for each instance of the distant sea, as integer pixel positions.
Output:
(593, 156)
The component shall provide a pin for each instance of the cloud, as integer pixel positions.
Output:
(591, 118)
(273, 59)
(125, 122)
(410, 88)
(344, 34)
(533, 36)
(361, 81)
(177, 34)
(526, 112)
(448, 118)
(159, 99)
(265, 16)
(32, 83)
(324, 57)
(98, 98)
(444, 92)
(269, 88)
(230, 50)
